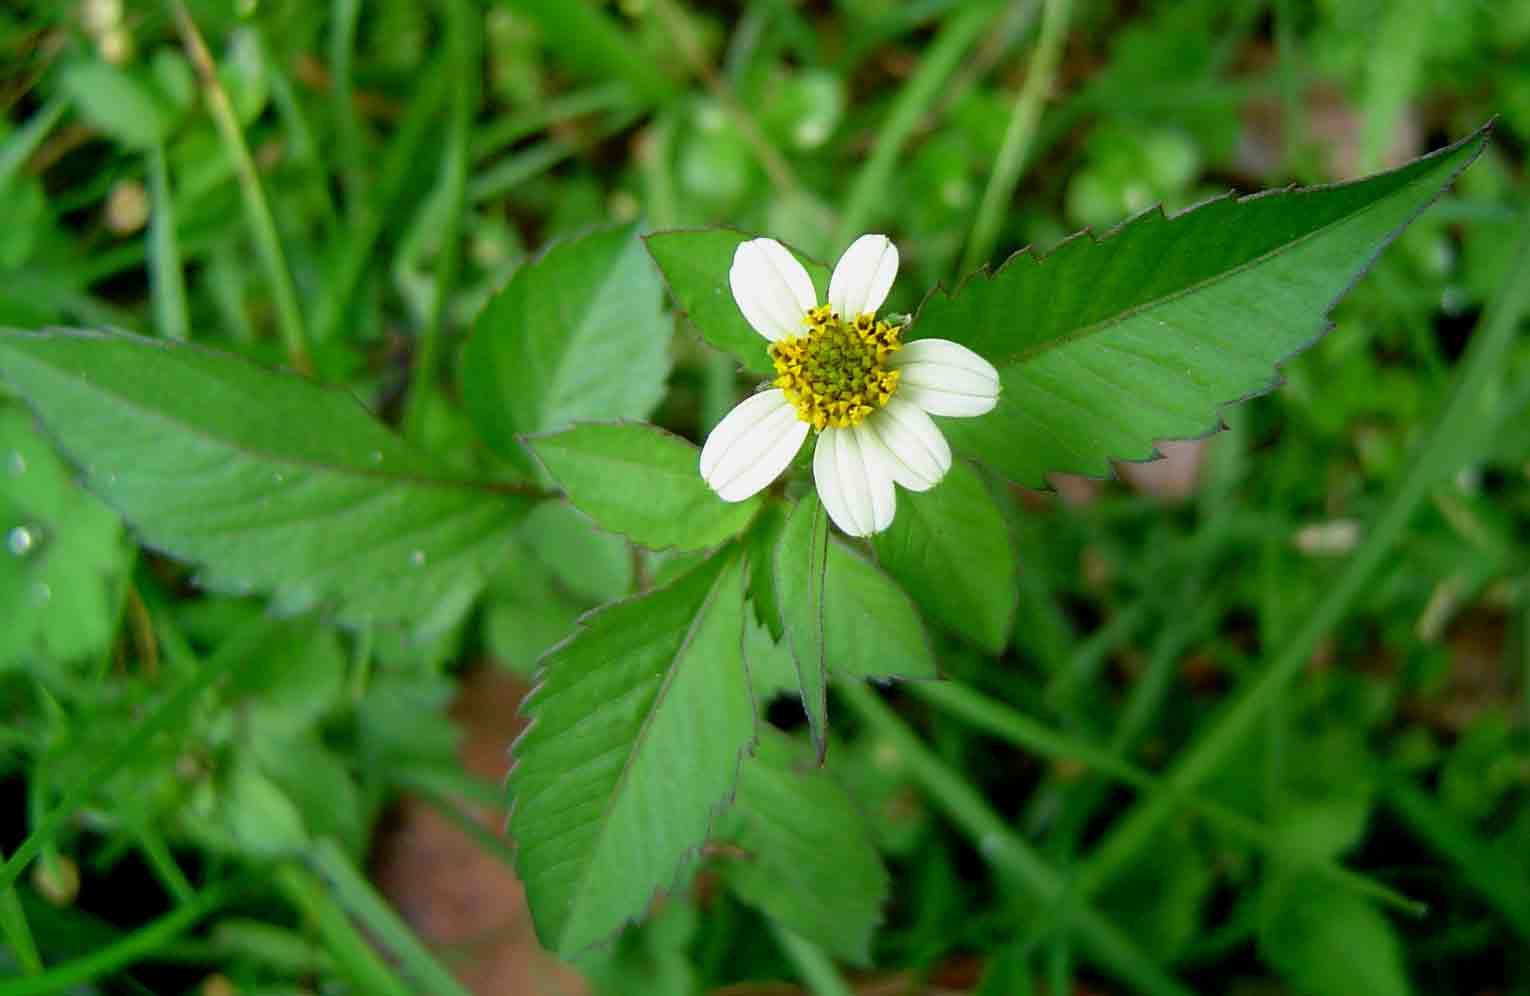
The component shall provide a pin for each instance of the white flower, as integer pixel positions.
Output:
(845, 374)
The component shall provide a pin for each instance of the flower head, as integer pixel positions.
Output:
(847, 375)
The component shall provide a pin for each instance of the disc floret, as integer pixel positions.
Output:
(835, 374)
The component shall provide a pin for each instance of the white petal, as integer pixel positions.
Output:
(945, 378)
(863, 276)
(772, 289)
(855, 488)
(918, 455)
(879, 466)
(826, 479)
(752, 445)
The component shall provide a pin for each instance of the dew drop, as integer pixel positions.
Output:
(16, 464)
(20, 541)
(279, 477)
(42, 593)
(417, 558)
(375, 456)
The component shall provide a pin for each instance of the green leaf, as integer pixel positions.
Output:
(1329, 942)
(637, 729)
(641, 482)
(577, 334)
(950, 548)
(1105, 347)
(592, 564)
(62, 555)
(808, 860)
(222, 463)
(695, 265)
(117, 103)
(871, 628)
(800, 570)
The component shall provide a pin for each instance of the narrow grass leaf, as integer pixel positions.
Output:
(221, 463)
(637, 729)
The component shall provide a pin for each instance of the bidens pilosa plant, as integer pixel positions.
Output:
(647, 755)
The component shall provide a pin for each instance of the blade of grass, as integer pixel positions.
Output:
(1436, 457)
(1011, 161)
(869, 189)
(815, 968)
(537, 159)
(1014, 727)
(1005, 850)
(589, 39)
(343, 19)
(140, 944)
(18, 148)
(366, 228)
(353, 955)
(495, 136)
(167, 283)
(18, 933)
(462, 56)
(168, 716)
(356, 895)
(1434, 825)
(257, 211)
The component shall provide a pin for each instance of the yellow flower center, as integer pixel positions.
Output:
(835, 374)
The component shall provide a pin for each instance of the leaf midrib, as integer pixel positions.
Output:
(1024, 356)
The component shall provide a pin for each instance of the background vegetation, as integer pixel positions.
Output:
(202, 796)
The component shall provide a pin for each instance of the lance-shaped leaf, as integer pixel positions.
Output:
(266, 481)
(1105, 347)
(641, 482)
(806, 855)
(841, 615)
(638, 726)
(577, 334)
(799, 569)
(695, 265)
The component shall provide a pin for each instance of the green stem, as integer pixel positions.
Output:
(139, 944)
(1005, 850)
(1011, 162)
(18, 148)
(1435, 826)
(1014, 727)
(167, 284)
(1436, 457)
(814, 967)
(354, 957)
(356, 895)
(168, 716)
(18, 933)
(869, 190)
(257, 211)
(344, 17)
(367, 225)
(462, 52)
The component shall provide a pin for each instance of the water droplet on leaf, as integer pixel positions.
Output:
(20, 541)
